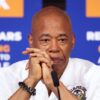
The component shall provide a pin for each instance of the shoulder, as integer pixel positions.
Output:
(14, 70)
(76, 70)
(9, 78)
(93, 74)
(15, 66)
(81, 63)
(93, 70)
(92, 83)
(80, 67)
(18, 65)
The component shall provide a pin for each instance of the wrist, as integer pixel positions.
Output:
(31, 91)
(36, 77)
(31, 82)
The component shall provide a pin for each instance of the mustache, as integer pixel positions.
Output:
(57, 59)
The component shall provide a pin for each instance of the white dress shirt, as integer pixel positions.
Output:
(79, 75)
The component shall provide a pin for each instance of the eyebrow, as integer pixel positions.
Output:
(47, 35)
(63, 35)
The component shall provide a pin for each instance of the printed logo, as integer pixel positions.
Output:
(11, 8)
(80, 92)
(93, 8)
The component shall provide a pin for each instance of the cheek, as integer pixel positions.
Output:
(41, 47)
(36, 44)
(66, 50)
(44, 48)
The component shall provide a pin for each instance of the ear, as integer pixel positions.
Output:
(30, 40)
(73, 40)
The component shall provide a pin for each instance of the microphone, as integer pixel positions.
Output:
(56, 82)
(55, 78)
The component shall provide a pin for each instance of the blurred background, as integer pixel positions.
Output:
(15, 25)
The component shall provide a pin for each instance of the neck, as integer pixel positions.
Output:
(60, 69)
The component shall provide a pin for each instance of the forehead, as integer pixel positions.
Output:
(52, 24)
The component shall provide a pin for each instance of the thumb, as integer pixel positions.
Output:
(47, 75)
(45, 69)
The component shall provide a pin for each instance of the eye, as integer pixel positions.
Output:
(62, 40)
(44, 41)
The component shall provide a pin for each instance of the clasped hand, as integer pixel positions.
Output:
(39, 66)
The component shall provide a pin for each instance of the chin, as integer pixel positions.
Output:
(57, 65)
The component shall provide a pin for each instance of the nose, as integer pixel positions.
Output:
(54, 47)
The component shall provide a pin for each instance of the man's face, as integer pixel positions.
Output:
(53, 35)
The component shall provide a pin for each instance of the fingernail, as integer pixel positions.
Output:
(27, 48)
(23, 52)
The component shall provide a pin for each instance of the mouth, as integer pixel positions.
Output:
(57, 60)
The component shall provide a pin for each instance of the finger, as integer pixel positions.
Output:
(41, 58)
(27, 66)
(35, 55)
(34, 50)
(45, 70)
(46, 61)
(46, 55)
(46, 75)
(41, 52)
(28, 51)
(39, 55)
